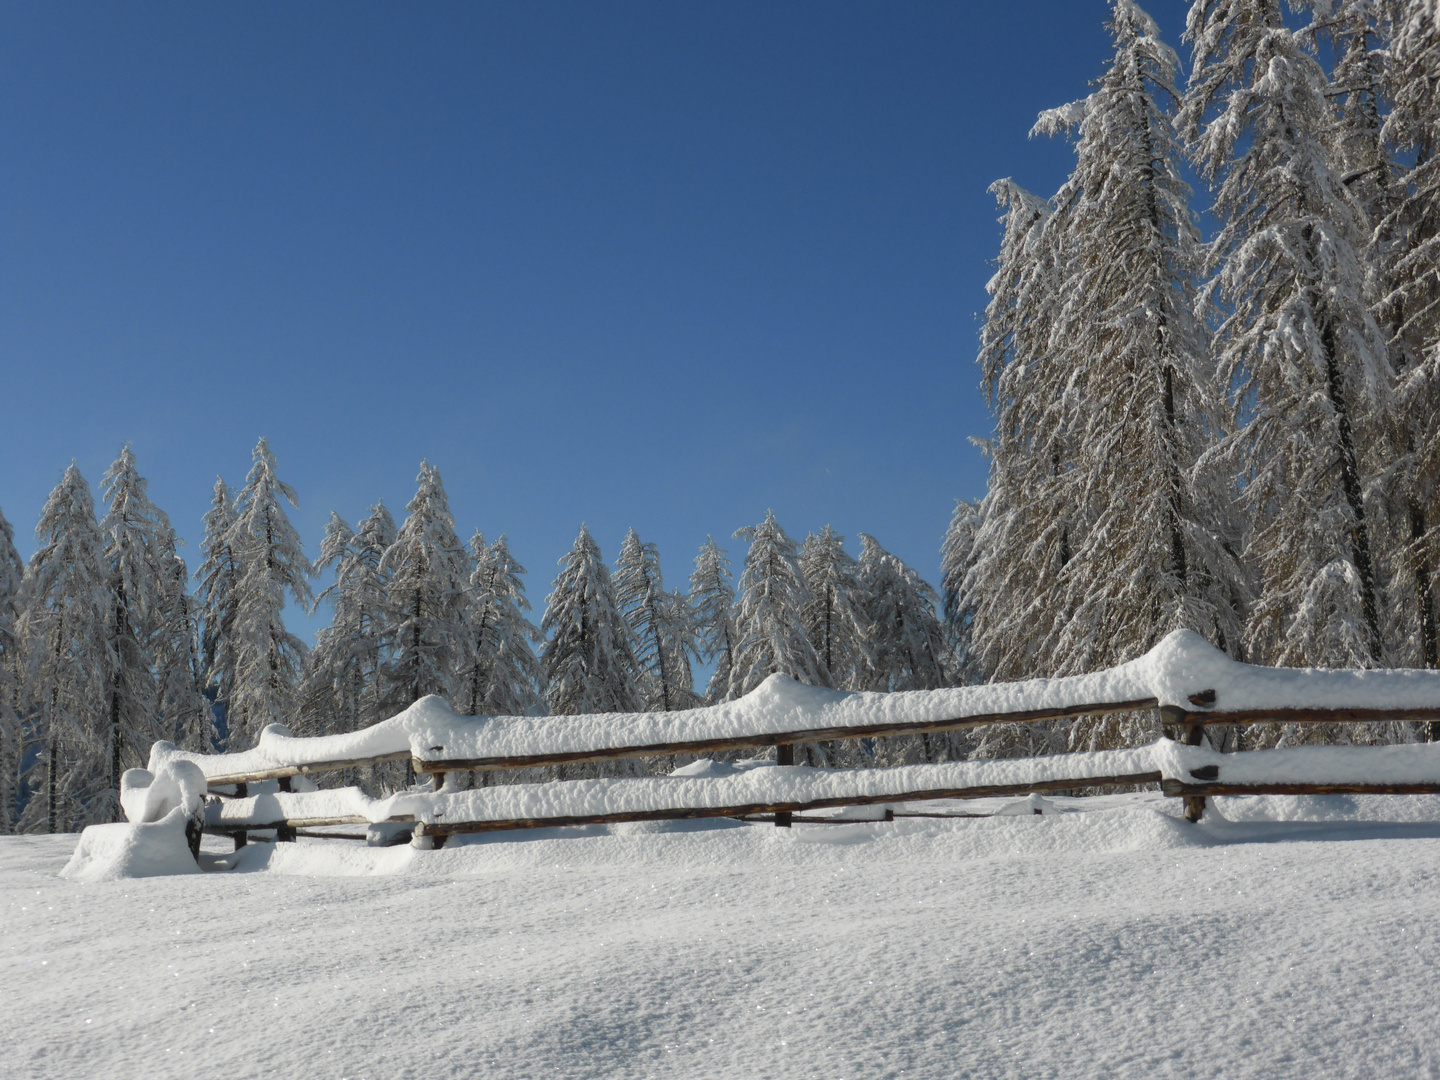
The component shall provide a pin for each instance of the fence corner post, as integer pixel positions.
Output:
(1194, 804)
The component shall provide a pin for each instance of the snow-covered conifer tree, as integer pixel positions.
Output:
(1028, 530)
(185, 714)
(271, 564)
(218, 592)
(65, 629)
(586, 659)
(770, 633)
(12, 671)
(957, 556)
(425, 617)
(1404, 258)
(908, 648)
(712, 599)
(139, 550)
(833, 613)
(662, 635)
(1137, 404)
(502, 673)
(1293, 334)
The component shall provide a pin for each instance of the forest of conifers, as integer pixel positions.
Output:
(1234, 430)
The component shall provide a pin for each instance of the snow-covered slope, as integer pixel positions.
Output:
(1118, 942)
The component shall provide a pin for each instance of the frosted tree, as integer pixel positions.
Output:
(586, 659)
(342, 688)
(502, 673)
(425, 612)
(138, 551)
(909, 649)
(1293, 336)
(661, 627)
(957, 557)
(712, 598)
(185, 715)
(271, 565)
(833, 614)
(1028, 531)
(1137, 403)
(12, 673)
(770, 633)
(65, 629)
(1404, 258)
(217, 594)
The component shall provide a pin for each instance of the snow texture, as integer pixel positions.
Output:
(147, 796)
(1180, 665)
(133, 850)
(1110, 940)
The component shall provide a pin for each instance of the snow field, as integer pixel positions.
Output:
(1114, 942)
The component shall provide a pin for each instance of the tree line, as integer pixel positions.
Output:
(1238, 434)
(104, 647)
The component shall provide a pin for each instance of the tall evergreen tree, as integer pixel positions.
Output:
(1404, 257)
(712, 599)
(833, 614)
(1137, 405)
(138, 553)
(218, 594)
(343, 686)
(429, 571)
(1027, 531)
(271, 564)
(65, 629)
(502, 675)
(12, 674)
(661, 627)
(957, 559)
(770, 633)
(1293, 335)
(185, 715)
(586, 659)
(909, 649)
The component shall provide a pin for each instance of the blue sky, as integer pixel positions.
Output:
(662, 265)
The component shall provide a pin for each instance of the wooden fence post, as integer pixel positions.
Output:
(241, 838)
(284, 834)
(784, 755)
(1194, 804)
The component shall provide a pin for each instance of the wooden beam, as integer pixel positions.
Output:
(682, 813)
(303, 770)
(1180, 788)
(780, 738)
(1173, 715)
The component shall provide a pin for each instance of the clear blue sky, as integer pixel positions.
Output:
(662, 265)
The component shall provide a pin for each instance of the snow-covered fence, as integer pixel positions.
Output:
(1190, 683)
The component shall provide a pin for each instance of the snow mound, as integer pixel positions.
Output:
(148, 797)
(133, 849)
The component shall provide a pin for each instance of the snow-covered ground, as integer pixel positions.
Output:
(1298, 938)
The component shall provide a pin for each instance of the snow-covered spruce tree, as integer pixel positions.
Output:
(139, 551)
(586, 659)
(1028, 531)
(1404, 259)
(1139, 405)
(343, 687)
(65, 628)
(712, 598)
(502, 672)
(661, 628)
(1293, 335)
(219, 582)
(271, 563)
(909, 649)
(425, 609)
(833, 613)
(957, 556)
(184, 712)
(12, 671)
(770, 633)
